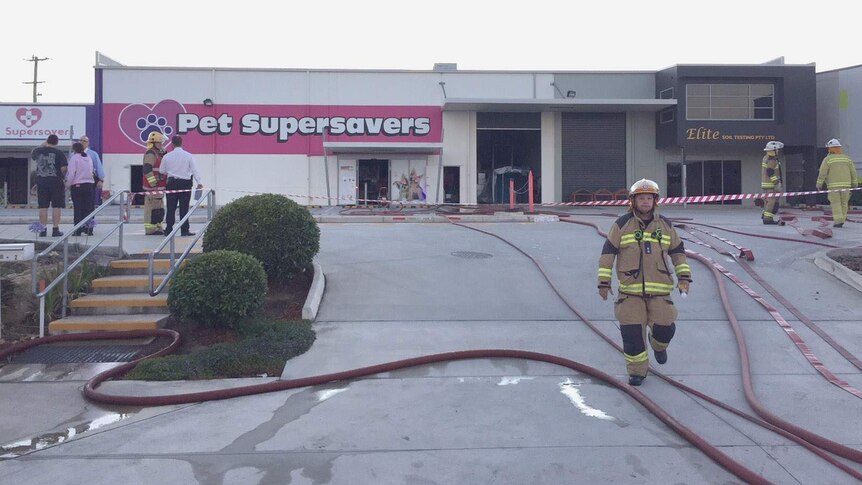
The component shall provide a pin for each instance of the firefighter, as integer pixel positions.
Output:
(837, 171)
(154, 180)
(641, 241)
(770, 180)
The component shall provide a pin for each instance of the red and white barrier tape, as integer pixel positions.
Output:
(694, 199)
(794, 337)
(700, 199)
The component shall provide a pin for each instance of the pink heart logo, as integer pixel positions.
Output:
(137, 121)
(28, 116)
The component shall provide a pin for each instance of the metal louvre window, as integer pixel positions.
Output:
(730, 102)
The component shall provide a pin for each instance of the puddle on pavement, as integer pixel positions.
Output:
(29, 445)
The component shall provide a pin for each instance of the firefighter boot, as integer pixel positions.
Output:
(636, 380)
(659, 339)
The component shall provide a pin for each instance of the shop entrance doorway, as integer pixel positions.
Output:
(373, 179)
(714, 177)
(13, 172)
(452, 185)
(137, 184)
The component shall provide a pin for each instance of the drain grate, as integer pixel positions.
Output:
(471, 255)
(82, 354)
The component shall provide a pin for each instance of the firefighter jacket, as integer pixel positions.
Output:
(641, 251)
(770, 172)
(153, 178)
(838, 171)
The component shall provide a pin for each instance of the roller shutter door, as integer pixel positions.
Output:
(593, 152)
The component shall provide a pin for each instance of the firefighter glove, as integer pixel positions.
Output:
(604, 290)
(683, 286)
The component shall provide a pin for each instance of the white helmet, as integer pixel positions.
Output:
(644, 186)
(833, 143)
(773, 145)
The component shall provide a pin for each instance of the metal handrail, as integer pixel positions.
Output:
(209, 194)
(67, 268)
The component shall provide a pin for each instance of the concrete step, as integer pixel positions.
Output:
(125, 284)
(138, 266)
(120, 304)
(113, 322)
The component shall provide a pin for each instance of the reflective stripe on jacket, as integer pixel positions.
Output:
(838, 171)
(770, 172)
(640, 250)
(153, 179)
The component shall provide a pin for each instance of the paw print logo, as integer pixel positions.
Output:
(152, 123)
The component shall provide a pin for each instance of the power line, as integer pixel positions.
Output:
(35, 82)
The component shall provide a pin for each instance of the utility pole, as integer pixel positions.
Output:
(35, 82)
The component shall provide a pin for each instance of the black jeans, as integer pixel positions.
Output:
(182, 199)
(82, 201)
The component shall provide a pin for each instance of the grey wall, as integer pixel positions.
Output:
(607, 85)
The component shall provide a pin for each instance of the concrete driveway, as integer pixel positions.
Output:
(403, 290)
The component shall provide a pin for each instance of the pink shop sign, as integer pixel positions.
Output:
(266, 129)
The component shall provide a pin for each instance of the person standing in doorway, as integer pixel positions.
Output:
(770, 180)
(80, 181)
(180, 167)
(98, 170)
(50, 187)
(837, 171)
(640, 242)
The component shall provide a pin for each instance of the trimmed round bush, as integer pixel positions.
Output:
(218, 288)
(277, 231)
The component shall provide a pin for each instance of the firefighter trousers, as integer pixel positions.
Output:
(770, 206)
(635, 313)
(840, 203)
(154, 213)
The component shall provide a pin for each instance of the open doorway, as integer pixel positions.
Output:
(137, 184)
(373, 179)
(452, 184)
(508, 147)
(13, 172)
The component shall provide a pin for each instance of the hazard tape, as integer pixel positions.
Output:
(694, 199)
(776, 315)
(701, 199)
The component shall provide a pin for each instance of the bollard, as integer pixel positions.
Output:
(530, 189)
(511, 194)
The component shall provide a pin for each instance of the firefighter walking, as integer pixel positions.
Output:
(837, 171)
(641, 242)
(771, 180)
(154, 180)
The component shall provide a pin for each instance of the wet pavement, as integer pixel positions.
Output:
(396, 291)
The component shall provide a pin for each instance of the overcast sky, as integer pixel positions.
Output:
(475, 34)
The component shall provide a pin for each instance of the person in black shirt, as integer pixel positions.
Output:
(51, 166)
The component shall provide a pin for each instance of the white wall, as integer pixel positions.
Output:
(459, 149)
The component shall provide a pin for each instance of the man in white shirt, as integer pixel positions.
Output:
(180, 167)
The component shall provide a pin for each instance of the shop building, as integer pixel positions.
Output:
(25, 126)
(446, 135)
(839, 111)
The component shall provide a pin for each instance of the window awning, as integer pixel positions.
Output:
(378, 147)
(557, 104)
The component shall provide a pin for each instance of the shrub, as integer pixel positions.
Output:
(219, 288)
(265, 348)
(274, 229)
